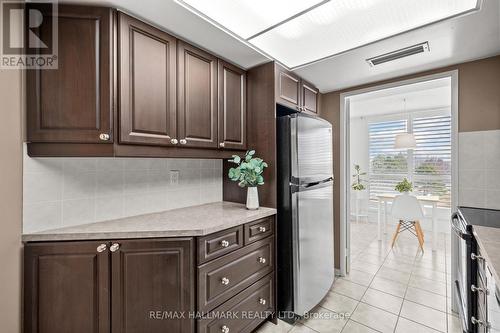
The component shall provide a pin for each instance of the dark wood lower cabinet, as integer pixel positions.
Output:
(66, 288)
(152, 286)
(149, 285)
(248, 309)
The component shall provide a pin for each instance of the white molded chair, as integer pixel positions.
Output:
(408, 211)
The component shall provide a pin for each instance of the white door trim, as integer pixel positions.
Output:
(344, 151)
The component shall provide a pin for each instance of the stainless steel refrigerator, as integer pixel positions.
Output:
(305, 213)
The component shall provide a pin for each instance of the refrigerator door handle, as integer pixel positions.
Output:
(311, 186)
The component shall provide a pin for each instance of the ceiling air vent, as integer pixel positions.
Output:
(398, 54)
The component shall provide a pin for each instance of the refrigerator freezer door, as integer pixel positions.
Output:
(311, 145)
(313, 246)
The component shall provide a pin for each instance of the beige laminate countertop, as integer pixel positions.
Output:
(184, 222)
(489, 241)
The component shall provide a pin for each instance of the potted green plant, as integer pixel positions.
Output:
(357, 184)
(248, 173)
(404, 186)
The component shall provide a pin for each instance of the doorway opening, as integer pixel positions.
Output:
(406, 129)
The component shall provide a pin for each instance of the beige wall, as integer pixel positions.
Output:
(10, 201)
(478, 110)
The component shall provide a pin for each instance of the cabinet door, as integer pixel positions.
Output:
(66, 288)
(287, 89)
(232, 107)
(73, 103)
(152, 285)
(147, 65)
(309, 97)
(197, 97)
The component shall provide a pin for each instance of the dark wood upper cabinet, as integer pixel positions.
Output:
(309, 97)
(287, 88)
(232, 107)
(126, 88)
(197, 97)
(148, 276)
(147, 84)
(66, 288)
(74, 102)
(294, 92)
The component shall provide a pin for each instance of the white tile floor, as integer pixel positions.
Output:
(399, 290)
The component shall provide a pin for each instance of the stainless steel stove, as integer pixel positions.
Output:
(471, 276)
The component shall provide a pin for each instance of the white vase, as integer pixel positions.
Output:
(252, 198)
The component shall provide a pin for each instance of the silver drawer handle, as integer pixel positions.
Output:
(478, 322)
(224, 243)
(101, 248)
(174, 141)
(221, 144)
(477, 289)
(224, 329)
(474, 256)
(262, 301)
(262, 229)
(114, 247)
(224, 281)
(183, 141)
(262, 260)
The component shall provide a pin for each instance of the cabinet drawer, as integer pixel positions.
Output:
(222, 278)
(259, 229)
(220, 243)
(248, 309)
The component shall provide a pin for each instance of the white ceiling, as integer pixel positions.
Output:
(427, 95)
(453, 41)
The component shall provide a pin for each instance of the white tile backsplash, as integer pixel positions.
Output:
(479, 169)
(60, 192)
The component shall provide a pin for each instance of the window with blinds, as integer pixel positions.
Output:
(428, 166)
(387, 165)
(432, 157)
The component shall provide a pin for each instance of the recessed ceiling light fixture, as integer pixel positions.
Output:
(300, 32)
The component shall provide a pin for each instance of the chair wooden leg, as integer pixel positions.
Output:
(420, 235)
(421, 231)
(396, 234)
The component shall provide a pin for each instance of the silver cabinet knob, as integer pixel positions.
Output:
(224, 243)
(221, 144)
(262, 229)
(262, 301)
(224, 281)
(114, 247)
(104, 136)
(474, 256)
(262, 260)
(101, 248)
(224, 329)
(174, 141)
(183, 141)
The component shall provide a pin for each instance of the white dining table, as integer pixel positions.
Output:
(429, 200)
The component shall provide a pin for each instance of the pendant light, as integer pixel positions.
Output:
(405, 140)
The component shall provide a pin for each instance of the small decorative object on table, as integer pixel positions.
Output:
(404, 186)
(248, 173)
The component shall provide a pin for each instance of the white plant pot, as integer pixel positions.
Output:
(252, 198)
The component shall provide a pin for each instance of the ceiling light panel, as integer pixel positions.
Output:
(341, 25)
(246, 18)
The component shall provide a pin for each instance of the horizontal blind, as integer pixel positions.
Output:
(432, 157)
(387, 165)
